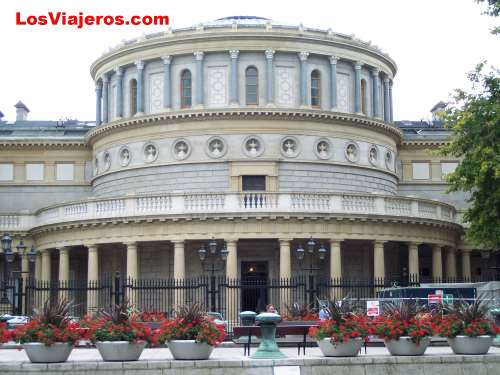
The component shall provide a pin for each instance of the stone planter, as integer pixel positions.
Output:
(470, 345)
(120, 350)
(38, 352)
(189, 349)
(404, 346)
(342, 349)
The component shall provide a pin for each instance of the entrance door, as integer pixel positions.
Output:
(254, 286)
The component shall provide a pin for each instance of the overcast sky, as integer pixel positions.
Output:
(434, 42)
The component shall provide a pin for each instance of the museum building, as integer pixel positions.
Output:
(254, 134)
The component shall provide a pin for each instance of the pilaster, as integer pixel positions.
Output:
(333, 82)
(233, 87)
(269, 77)
(140, 87)
(198, 98)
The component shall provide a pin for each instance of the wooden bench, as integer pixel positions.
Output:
(282, 330)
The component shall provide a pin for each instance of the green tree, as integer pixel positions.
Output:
(474, 118)
(493, 9)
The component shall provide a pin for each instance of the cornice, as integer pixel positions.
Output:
(277, 37)
(239, 114)
(22, 143)
(255, 216)
(422, 143)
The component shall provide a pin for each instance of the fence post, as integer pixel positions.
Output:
(117, 288)
(19, 296)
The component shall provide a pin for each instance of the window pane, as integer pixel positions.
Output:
(34, 172)
(65, 172)
(421, 171)
(254, 183)
(6, 172)
(251, 86)
(315, 89)
(186, 89)
(448, 167)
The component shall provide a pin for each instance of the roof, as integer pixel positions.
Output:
(16, 130)
(423, 130)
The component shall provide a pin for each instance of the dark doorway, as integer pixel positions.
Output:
(254, 286)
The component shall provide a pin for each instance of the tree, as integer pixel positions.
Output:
(474, 118)
(493, 9)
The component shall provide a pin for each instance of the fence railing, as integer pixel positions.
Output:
(237, 203)
(218, 294)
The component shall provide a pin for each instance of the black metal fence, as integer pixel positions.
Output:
(218, 294)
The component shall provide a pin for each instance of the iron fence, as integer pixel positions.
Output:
(218, 294)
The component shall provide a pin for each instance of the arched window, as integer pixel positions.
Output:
(363, 96)
(133, 97)
(252, 86)
(186, 89)
(315, 89)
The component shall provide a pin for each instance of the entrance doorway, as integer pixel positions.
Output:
(254, 286)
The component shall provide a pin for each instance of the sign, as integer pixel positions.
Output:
(448, 299)
(372, 308)
(434, 298)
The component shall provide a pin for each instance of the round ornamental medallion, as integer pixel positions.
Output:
(181, 149)
(352, 152)
(253, 146)
(125, 156)
(373, 155)
(216, 147)
(389, 160)
(323, 148)
(106, 158)
(290, 147)
(150, 152)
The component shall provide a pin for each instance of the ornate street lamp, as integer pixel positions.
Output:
(212, 256)
(301, 255)
(8, 258)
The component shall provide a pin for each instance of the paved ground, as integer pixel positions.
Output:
(91, 354)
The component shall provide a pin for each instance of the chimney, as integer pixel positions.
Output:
(21, 111)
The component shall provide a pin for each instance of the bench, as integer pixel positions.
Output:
(281, 331)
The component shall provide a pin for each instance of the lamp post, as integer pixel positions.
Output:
(301, 255)
(9, 257)
(212, 257)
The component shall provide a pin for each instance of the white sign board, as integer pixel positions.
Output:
(286, 370)
(372, 308)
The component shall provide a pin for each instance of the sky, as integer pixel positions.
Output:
(434, 43)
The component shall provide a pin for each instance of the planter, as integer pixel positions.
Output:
(470, 345)
(120, 350)
(189, 349)
(342, 349)
(38, 352)
(404, 346)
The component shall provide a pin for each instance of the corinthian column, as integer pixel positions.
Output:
(333, 82)
(167, 98)
(303, 78)
(233, 87)
(198, 99)
(140, 87)
(357, 87)
(270, 77)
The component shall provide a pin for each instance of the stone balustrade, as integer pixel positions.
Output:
(245, 203)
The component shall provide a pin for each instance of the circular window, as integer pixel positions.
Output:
(125, 156)
(150, 152)
(253, 146)
(323, 149)
(373, 155)
(352, 152)
(290, 147)
(216, 147)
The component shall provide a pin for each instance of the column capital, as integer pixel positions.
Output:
(412, 243)
(139, 64)
(386, 80)
(167, 59)
(231, 241)
(92, 247)
(130, 244)
(465, 251)
(379, 242)
(198, 55)
(234, 53)
(334, 60)
(375, 72)
(178, 242)
(105, 78)
(269, 54)
(98, 86)
(358, 65)
(63, 249)
(336, 241)
(303, 55)
(119, 71)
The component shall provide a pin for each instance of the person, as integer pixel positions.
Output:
(323, 313)
(271, 309)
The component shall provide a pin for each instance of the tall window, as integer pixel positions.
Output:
(252, 85)
(133, 97)
(363, 96)
(315, 89)
(254, 183)
(186, 89)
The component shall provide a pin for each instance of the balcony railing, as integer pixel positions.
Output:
(233, 204)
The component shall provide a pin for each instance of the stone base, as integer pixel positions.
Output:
(317, 365)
